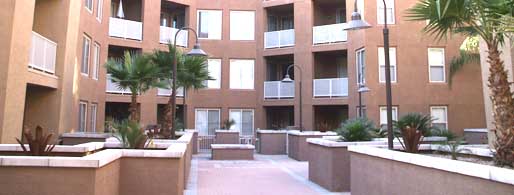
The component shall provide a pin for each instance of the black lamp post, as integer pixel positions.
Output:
(357, 23)
(362, 89)
(287, 79)
(196, 51)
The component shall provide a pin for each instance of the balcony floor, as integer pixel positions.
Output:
(264, 175)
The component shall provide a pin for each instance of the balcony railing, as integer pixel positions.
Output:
(42, 54)
(167, 92)
(329, 33)
(125, 29)
(168, 35)
(336, 87)
(112, 87)
(275, 39)
(278, 90)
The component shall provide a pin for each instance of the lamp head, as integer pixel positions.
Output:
(287, 79)
(357, 23)
(196, 51)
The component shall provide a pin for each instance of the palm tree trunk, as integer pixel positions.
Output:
(166, 127)
(134, 116)
(503, 107)
(184, 110)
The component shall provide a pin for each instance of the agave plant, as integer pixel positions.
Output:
(412, 128)
(454, 148)
(38, 144)
(227, 124)
(130, 134)
(359, 129)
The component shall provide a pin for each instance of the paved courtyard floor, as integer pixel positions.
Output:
(266, 175)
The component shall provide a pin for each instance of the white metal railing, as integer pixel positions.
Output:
(278, 90)
(167, 35)
(283, 38)
(329, 33)
(112, 87)
(125, 29)
(43, 53)
(336, 87)
(167, 92)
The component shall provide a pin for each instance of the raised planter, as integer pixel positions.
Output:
(476, 136)
(80, 138)
(297, 146)
(107, 171)
(329, 163)
(377, 171)
(272, 142)
(232, 151)
(227, 137)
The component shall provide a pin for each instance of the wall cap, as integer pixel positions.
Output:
(232, 146)
(309, 133)
(336, 144)
(476, 130)
(264, 131)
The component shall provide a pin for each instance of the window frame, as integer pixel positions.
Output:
(207, 110)
(359, 65)
(99, 10)
(89, 5)
(430, 65)
(230, 24)
(83, 61)
(384, 108)
(218, 81)
(241, 87)
(96, 60)
(241, 110)
(445, 108)
(395, 65)
(198, 24)
(94, 116)
(82, 117)
(380, 12)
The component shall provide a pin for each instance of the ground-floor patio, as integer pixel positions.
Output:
(267, 174)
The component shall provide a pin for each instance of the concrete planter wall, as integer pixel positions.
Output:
(297, 143)
(329, 163)
(108, 171)
(81, 138)
(377, 171)
(227, 137)
(272, 142)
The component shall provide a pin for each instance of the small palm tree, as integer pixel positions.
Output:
(491, 20)
(135, 72)
(412, 128)
(359, 129)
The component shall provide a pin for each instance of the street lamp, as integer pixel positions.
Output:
(287, 79)
(357, 23)
(362, 89)
(196, 51)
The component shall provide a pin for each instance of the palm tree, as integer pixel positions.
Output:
(491, 21)
(135, 72)
(191, 74)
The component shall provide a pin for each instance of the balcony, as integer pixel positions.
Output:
(42, 54)
(167, 35)
(112, 87)
(277, 39)
(278, 90)
(332, 33)
(126, 29)
(329, 88)
(167, 92)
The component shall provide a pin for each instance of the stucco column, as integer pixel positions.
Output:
(16, 24)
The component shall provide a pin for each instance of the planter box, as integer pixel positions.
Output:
(329, 165)
(272, 142)
(297, 146)
(232, 151)
(476, 136)
(377, 171)
(81, 138)
(227, 137)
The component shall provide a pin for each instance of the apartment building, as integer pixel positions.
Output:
(52, 67)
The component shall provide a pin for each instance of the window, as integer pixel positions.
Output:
(390, 11)
(381, 62)
(214, 67)
(383, 116)
(96, 60)
(207, 121)
(440, 116)
(341, 15)
(89, 5)
(243, 119)
(364, 111)
(241, 74)
(242, 25)
(360, 8)
(99, 10)
(94, 110)
(277, 23)
(436, 65)
(82, 116)
(86, 50)
(209, 24)
(361, 66)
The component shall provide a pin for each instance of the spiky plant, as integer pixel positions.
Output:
(412, 128)
(130, 134)
(38, 144)
(492, 21)
(454, 148)
(359, 129)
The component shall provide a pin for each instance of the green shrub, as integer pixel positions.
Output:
(359, 129)
(130, 134)
(412, 128)
(450, 136)
(454, 148)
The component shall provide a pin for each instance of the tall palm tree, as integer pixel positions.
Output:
(486, 19)
(135, 72)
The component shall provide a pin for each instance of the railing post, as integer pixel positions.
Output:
(330, 87)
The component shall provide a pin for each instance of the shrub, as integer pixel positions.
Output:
(130, 134)
(450, 136)
(412, 128)
(453, 147)
(38, 144)
(227, 124)
(359, 129)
